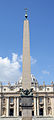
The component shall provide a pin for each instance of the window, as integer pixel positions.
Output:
(11, 100)
(4, 89)
(11, 112)
(32, 113)
(32, 83)
(48, 89)
(20, 113)
(41, 111)
(40, 99)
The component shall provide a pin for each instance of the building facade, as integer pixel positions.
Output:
(43, 99)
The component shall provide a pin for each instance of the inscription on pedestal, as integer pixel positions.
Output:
(26, 102)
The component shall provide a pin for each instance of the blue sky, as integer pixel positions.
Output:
(41, 19)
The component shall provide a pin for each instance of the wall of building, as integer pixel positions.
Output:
(43, 100)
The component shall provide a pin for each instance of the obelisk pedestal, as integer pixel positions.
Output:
(26, 108)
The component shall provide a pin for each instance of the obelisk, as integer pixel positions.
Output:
(26, 76)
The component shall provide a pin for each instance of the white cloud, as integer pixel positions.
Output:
(14, 57)
(45, 72)
(9, 69)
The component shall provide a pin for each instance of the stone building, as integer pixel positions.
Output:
(43, 99)
(43, 95)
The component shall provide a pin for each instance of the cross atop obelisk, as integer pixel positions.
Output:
(26, 76)
(26, 13)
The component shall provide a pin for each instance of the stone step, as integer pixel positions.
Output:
(19, 118)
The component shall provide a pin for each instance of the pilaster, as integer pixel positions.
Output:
(37, 106)
(17, 106)
(34, 106)
(44, 106)
(52, 105)
(0, 106)
(14, 107)
(7, 107)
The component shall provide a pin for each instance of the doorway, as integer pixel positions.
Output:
(41, 111)
(11, 112)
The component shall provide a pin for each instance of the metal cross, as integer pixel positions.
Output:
(26, 12)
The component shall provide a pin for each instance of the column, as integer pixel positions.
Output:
(52, 105)
(44, 106)
(17, 106)
(0, 107)
(7, 107)
(14, 107)
(37, 106)
(34, 106)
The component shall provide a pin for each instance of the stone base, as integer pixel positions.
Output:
(20, 118)
(27, 113)
(27, 118)
(26, 108)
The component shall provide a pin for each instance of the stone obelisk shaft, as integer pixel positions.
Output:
(26, 77)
